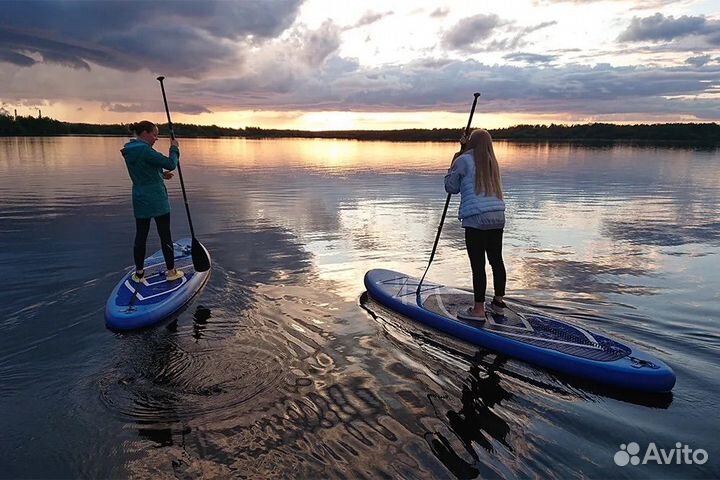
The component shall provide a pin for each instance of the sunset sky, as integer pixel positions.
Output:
(331, 64)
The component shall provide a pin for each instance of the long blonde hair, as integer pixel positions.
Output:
(487, 171)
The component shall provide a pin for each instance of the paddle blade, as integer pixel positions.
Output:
(200, 256)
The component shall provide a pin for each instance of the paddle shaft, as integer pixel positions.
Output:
(447, 203)
(179, 169)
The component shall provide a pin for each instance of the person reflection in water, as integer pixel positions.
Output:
(475, 174)
(475, 422)
(476, 416)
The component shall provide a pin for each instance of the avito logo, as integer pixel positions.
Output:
(680, 455)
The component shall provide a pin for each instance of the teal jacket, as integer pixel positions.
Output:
(145, 166)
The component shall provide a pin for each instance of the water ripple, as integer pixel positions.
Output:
(174, 384)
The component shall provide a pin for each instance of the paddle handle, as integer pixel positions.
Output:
(179, 169)
(472, 112)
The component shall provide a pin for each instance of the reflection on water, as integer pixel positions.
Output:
(276, 371)
(475, 423)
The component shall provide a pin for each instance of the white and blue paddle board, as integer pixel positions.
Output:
(536, 339)
(134, 305)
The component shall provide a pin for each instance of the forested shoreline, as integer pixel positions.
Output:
(702, 133)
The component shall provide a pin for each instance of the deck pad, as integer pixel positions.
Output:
(531, 329)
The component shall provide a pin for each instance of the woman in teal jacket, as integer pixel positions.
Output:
(147, 168)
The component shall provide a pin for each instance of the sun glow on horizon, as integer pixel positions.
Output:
(293, 120)
(97, 113)
(328, 120)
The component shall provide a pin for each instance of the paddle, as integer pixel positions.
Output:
(447, 202)
(200, 257)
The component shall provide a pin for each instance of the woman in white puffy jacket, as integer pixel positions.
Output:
(475, 174)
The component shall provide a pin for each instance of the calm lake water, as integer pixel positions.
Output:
(281, 368)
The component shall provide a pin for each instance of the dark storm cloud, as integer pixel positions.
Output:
(517, 37)
(176, 37)
(14, 40)
(189, 108)
(369, 18)
(658, 28)
(469, 31)
(16, 58)
(440, 12)
(530, 57)
(539, 26)
(699, 60)
(306, 57)
(425, 85)
(318, 44)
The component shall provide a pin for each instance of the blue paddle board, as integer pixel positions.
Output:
(536, 339)
(134, 305)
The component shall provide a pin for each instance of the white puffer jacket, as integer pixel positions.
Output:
(486, 211)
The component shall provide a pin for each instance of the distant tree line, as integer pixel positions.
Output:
(682, 132)
(44, 126)
(705, 133)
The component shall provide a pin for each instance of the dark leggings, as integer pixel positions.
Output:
(142, 228)
(479, 243)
